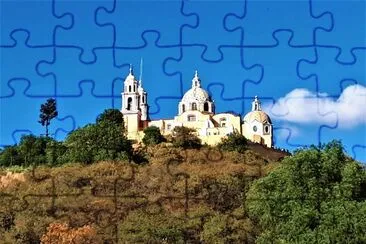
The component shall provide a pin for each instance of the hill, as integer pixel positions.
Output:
(181, 195)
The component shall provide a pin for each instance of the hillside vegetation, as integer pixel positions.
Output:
(188, 195)
(96, 188)
(179, 196)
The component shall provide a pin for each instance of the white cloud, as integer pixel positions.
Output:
(287, 131)
(304, 106)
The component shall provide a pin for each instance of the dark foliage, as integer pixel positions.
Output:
(48, 112)
(152, 136)
(184, 137)
(233, 142)
(111, 115)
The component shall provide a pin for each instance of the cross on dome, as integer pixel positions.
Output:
(131, 70)
(196, 82)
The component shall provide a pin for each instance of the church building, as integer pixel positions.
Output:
(196, 110)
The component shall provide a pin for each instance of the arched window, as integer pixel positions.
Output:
(223, 122)
(205, 107)
(129, 88)
(266, 129)
(183, 108)
(191, 118)
(129, 103)
(194, 106)
(143, 99)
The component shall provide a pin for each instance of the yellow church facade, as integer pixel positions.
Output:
(196, 110)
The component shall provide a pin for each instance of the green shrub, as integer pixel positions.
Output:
(32, 149)
(233, 142)
(184, 137)
(10, 156)
(96, 142)
(152, 136)
(111, 115)
(55, 152)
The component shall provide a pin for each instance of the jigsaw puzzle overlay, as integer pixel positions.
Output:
(305, 60)
(80, 52)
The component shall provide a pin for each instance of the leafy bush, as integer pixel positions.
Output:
(96, 142)
(143, 227)
(10, 156)
(111, 115)
(55, 153)
(152, 136)
(233, 142)
(33, 149)
(184, 137)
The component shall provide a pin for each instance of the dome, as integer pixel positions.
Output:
(196, 94)
(260, 116)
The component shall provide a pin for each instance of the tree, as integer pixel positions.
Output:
(48, 112)
(111, 115)
(152, 136)
(32, 149)
(185, 137)
(316, 196)
(55, 152)
(10, 156)
(95, 142)
(233, 142)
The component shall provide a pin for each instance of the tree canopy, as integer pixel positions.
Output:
(184, 137)
(233, 142)
(48, 112)
(316, 196)
(112, 116)
(95, 142)
(152, 136)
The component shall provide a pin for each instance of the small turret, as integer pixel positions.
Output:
(256, 104)
(196, 82)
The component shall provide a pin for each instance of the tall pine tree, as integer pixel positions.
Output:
(48, 112)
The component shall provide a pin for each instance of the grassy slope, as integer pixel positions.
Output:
(180, 195)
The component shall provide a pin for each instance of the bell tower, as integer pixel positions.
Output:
(134, 105)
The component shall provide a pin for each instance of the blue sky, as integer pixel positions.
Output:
(304, 59)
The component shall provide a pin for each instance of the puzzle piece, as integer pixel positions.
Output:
(351, 25)
(273, 65)
(84, 33)
(283, 134)
(233, 105)
(36, 17)
(359, 152)
(341, 75)
(17, 120)
(162, 17)
(85, 106)
(261, 19)
(67, 69)
(351, 122)
(210, 32)
(19, 61)
(156, 82)
(231, 72)
(287, 116)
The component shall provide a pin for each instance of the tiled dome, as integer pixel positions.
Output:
(260, 116)
(196, 94)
